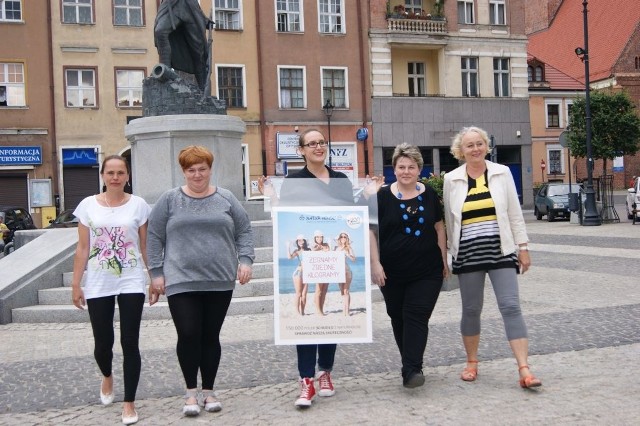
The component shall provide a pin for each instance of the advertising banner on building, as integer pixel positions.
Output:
(344, 158)
(324, 251)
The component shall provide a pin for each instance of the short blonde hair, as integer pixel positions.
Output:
(194, 154)
(456, 151)
(409, 151)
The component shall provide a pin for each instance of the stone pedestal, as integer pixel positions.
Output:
(157, 141)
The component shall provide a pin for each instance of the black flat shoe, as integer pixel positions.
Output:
(413, 380)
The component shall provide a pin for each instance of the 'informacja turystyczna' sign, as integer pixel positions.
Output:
(20, 155)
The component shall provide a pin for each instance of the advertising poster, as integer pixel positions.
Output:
(323, 250)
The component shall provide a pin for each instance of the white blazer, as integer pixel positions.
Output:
(505, 197)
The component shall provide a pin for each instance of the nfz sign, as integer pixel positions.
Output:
(20, 155)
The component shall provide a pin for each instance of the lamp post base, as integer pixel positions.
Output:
(591, 216)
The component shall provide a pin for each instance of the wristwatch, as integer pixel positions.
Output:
(524, 247)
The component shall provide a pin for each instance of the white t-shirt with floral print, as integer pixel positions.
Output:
(115, 262)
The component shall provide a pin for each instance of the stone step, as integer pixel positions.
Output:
(259, 271)
(255, 210)
(69, 313)
(257, 287)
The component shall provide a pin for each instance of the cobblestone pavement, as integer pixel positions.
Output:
(581, 301)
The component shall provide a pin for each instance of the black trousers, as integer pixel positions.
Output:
(101, 310)
(409, 305)
(198, 317)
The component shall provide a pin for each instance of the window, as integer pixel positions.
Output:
(427, 157)
(569, 104)
(77, 11)
(496, 12)
(231, 86)
(289, 15)
(129, 88)
(416, 79)
(227, 14)
(469, 76)
(535, 73)
(465, 12)
(501, 77)
(334, 84)
(331, 16)
(413, 6)
(555, 161)
(127, 13)
(12, 91)
(553, 113)
(291, 81)
(10, 10)
(80, 85)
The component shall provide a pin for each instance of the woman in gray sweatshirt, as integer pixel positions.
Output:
(199, 242)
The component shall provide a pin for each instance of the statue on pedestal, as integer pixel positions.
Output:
(180, 35)
(179, 32)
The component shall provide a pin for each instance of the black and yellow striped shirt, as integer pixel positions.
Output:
(480, 236)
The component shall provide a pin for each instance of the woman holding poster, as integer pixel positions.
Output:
(412, 258)
(315, 185)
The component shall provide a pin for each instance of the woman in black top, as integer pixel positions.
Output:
(412, 258)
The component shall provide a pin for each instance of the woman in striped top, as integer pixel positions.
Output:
(486, 234)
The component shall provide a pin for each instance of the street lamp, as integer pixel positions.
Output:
(591, 216)
(328, 111)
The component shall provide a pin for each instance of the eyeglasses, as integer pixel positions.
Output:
(315, 144)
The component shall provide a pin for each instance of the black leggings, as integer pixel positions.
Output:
(101, 310)
(198, 317)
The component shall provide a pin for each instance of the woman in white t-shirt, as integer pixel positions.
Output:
(112, 233)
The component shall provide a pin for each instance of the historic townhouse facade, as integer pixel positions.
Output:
(27, 132)
(437, 66)
(314, 54)
(551, 94)
(101, 50)
(614, 65)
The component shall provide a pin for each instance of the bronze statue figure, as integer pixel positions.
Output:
(180, 38)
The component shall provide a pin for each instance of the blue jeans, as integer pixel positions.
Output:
(307, 358)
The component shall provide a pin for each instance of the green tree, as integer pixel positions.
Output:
(615, 127)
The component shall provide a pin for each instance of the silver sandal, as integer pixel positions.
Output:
(191, 409)
(211, 406)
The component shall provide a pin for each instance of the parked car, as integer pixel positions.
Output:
(66, 219)
(633, 201)
(552, 200)
(16, 219)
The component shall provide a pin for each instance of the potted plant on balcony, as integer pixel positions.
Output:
(399, 11)
(438, 11)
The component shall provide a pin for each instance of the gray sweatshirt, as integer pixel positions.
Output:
(196, 243)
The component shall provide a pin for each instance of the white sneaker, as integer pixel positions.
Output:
(325, 383)
(307, 393)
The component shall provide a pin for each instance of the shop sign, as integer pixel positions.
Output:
(287, 145)
(20, 155)
(79, 156)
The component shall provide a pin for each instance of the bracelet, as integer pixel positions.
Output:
(523, 248)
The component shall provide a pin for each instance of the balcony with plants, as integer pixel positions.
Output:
(410, 17)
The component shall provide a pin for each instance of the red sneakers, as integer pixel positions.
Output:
(307, 393)
(326, 386)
